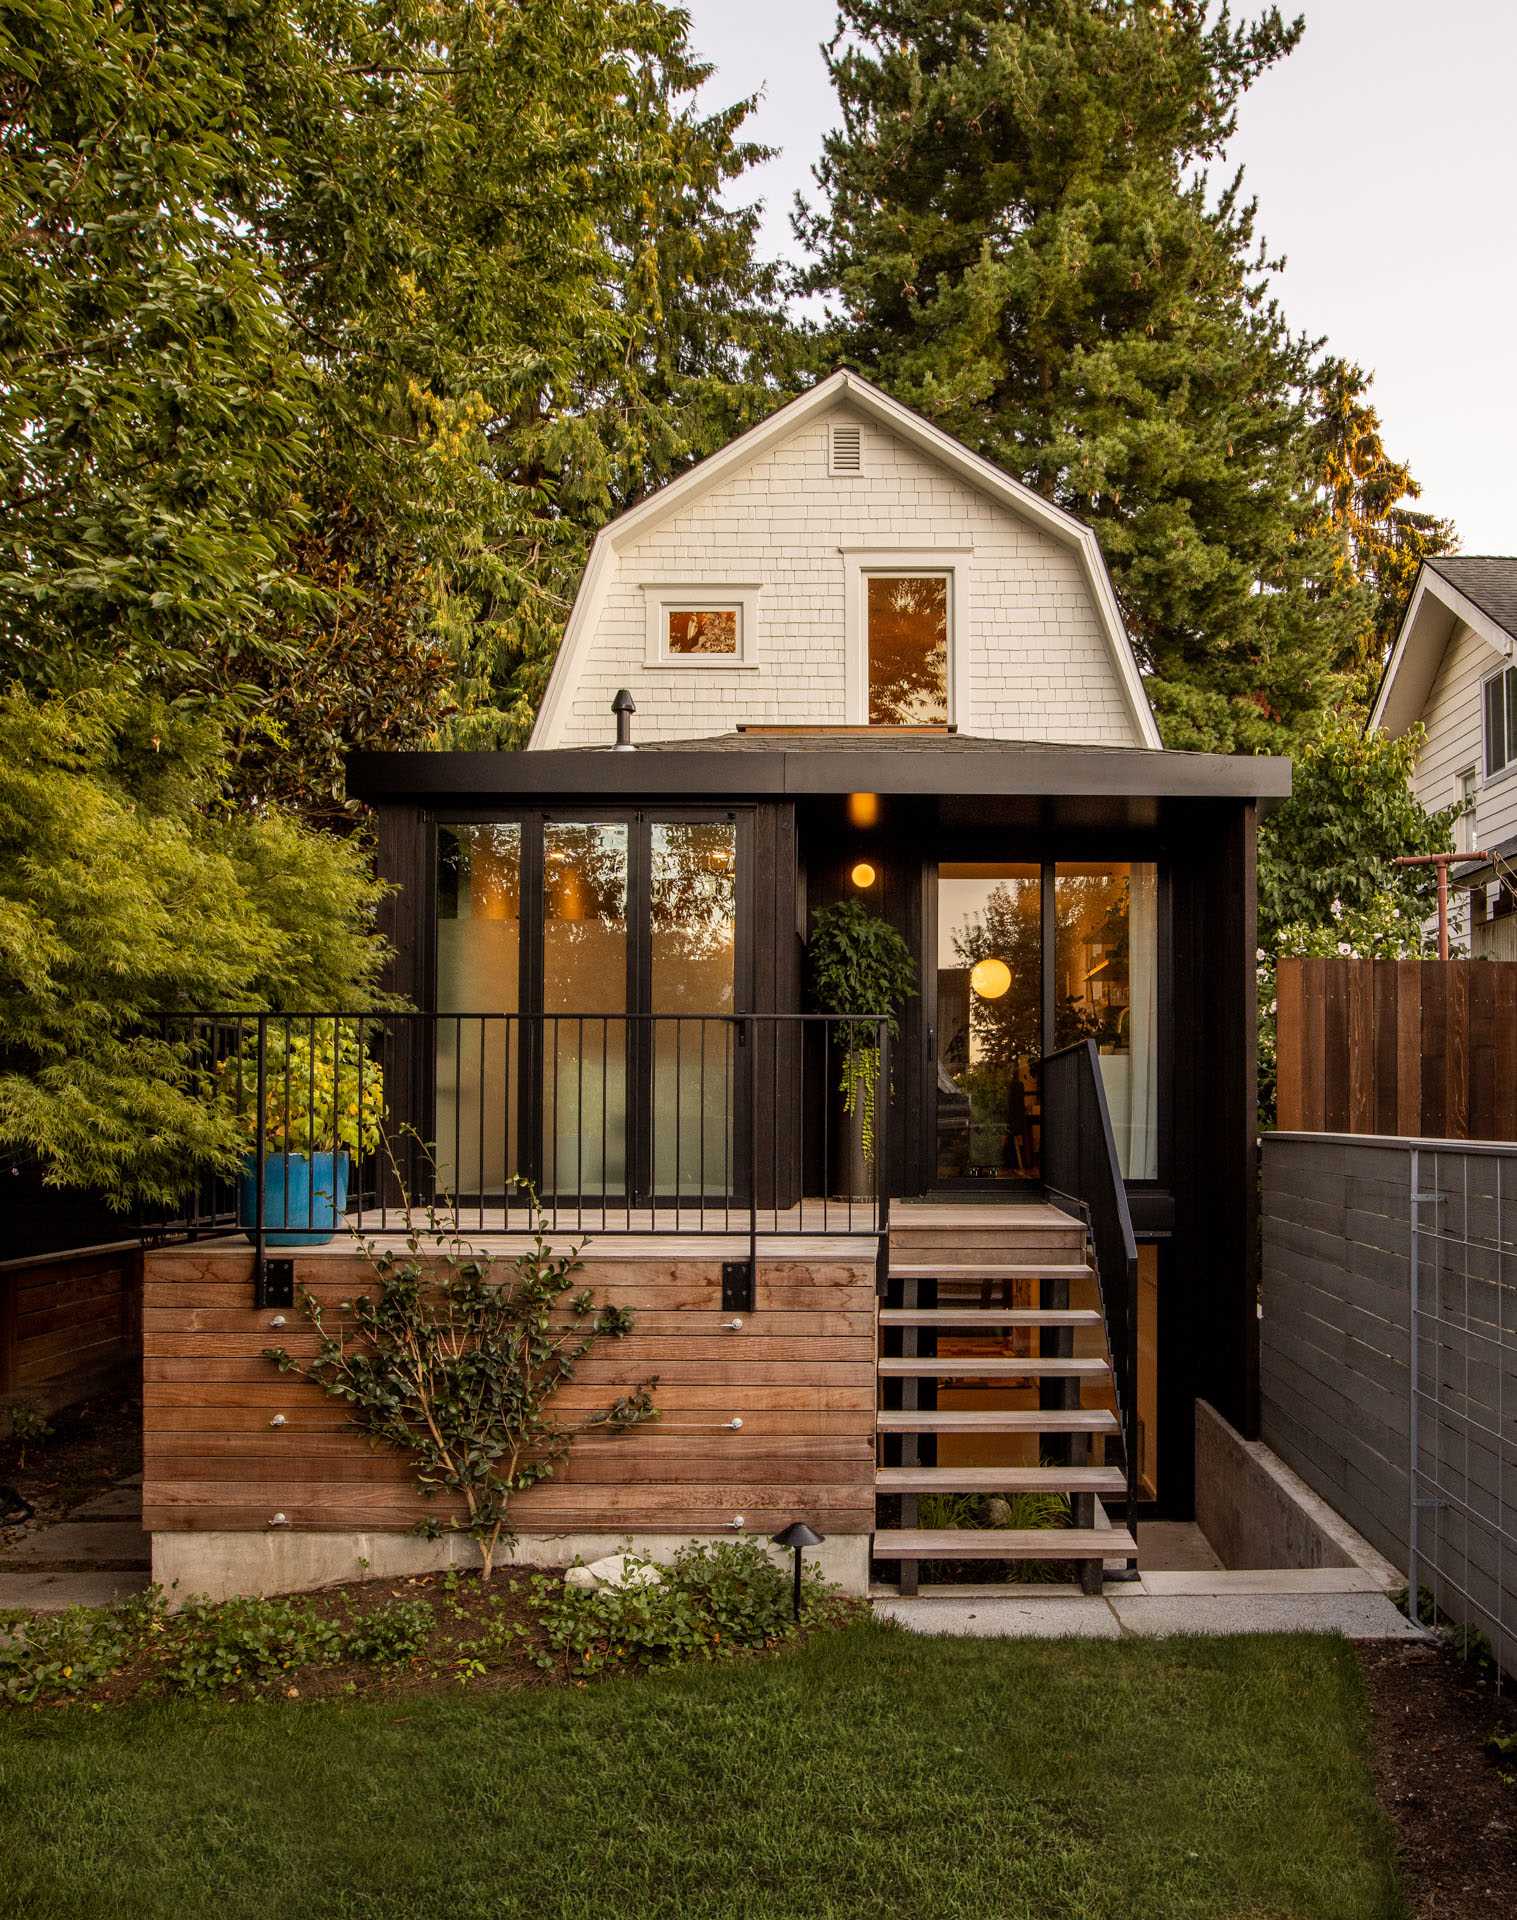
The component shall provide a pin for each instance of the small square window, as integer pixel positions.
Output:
(693, 630)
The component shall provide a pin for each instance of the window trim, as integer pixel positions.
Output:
(1466, 826)
(859, 564)
(663, 597)
(1509, 743)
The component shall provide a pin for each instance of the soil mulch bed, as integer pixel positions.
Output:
(1452, 1800)
(92, 1447)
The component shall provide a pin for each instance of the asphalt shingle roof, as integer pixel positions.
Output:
(1489, 580)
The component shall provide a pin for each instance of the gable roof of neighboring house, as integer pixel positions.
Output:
(1480, 590)
(917, 431)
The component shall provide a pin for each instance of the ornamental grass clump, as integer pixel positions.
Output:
(454, 1360)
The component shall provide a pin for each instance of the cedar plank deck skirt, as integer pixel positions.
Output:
(800, 1375)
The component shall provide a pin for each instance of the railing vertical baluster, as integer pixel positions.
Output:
(579, 1119)
(260, 1159)
(480, 1102)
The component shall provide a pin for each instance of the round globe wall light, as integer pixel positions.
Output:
(990, 978)
(864, 875)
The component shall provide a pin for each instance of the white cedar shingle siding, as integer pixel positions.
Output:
(1455, 739)
(1041, 667)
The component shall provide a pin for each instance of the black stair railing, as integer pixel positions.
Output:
(721, 1124)
(1082, 1174)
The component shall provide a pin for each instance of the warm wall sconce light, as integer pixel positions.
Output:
(863, 809)
(863, 875)
(990, 978)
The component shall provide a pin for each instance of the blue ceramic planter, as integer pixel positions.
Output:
(304, 1197)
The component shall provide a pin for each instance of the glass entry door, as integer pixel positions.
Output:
(989, 1020)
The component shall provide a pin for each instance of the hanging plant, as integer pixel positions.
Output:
(860, 965)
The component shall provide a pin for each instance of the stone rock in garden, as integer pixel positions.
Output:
(997, 1511)
(615, 1570)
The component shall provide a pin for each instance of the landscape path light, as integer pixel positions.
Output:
(797, 1537)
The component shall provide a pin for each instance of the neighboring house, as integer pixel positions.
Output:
(865, 663)
(1454, 669)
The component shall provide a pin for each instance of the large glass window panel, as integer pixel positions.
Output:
(478, 976)
(693, 932)
(585, 976)
(908, 649)
(988, 1026)
(1106, 989)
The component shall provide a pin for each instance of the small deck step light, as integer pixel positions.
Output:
(797, 1537)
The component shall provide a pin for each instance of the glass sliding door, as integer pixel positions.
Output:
(989, 978)
(692, 930)
(479, 946)
(584, 984)
(1106, 988)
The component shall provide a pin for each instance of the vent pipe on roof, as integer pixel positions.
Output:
(623, 706)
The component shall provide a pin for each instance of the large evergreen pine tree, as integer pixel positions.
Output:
(1020, 239)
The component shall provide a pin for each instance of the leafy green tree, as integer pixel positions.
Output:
(1382, 538)
(1328, 851)
(126, 891)
(1020, 239)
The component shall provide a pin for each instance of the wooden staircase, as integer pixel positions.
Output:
(1003, 1277)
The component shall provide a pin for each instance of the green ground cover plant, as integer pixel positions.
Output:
(712, 1602)
(865, 1772)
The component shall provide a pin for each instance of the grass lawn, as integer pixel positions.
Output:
(866, 1775)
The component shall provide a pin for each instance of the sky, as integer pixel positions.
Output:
(1383, 155)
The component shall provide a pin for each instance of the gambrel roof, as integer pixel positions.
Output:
(844, 387)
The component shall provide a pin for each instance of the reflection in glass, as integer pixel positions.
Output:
(908, 650)
(478, 972)
(1106, 989)
(693, 924)
(989, 1002)
(585, 974)
(703, 630)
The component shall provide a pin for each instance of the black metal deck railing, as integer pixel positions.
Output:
(597, 1123)
(1081, 1173)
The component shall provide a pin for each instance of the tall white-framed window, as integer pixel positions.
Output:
(907, 640)
(1499, 712)
(701, 625)
(1466, 787)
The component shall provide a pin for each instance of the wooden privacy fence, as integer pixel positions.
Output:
(1426, 1049)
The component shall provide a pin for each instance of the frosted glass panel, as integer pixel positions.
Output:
(1106, 990)
(478, 974)
(693, 925)
(585, 974)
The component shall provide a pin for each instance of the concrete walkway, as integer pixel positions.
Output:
(96, 1554)
(1344, 1600)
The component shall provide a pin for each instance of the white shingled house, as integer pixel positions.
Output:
(1454, 669)
(845, 659)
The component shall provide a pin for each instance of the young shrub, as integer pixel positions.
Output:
(390, 1634)
(245, 1645)
(458, 1369)
(54, 1656)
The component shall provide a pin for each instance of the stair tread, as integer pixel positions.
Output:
(1040, 1420)
(1003, 1543)
(987, 1367)
(988, 1270)
(1000, 1480)
(989, 1316)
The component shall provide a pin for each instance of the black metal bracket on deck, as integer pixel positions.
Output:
(737, 1286)
(274, 1283)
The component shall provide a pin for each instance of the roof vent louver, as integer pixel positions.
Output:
(846, 444)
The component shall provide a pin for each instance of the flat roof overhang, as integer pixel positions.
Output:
(706, 773)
